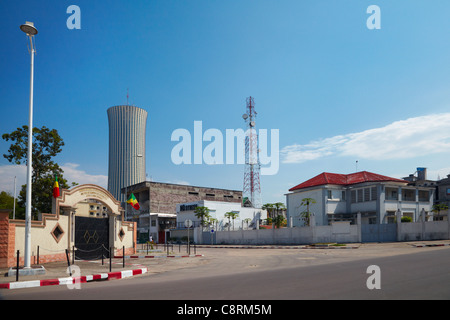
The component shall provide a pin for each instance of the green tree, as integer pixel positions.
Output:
(46, 145)
(306, 214)
(231, 215)
(438, 207)
(7, 202)
(270, 209)
(273, 213)
(279, 220)
(203, 214)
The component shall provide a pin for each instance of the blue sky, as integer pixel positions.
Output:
(337, 91)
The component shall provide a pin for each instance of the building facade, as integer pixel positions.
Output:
(340, 197)
(246, 217)
(158, 205)
(163, 197)
(127, 129)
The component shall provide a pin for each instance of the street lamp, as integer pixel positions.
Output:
(30, 31)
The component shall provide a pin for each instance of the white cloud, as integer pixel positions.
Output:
(399, 140)
(182, 182)
(7, 174)
(73, 174)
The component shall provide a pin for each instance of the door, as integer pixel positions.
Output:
(91, 238)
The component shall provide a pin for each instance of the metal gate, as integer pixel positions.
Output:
(379, 232)
(91, 238)
(209, 237)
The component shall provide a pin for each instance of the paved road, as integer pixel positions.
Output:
(223, 274)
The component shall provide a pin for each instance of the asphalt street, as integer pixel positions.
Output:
(255, 274)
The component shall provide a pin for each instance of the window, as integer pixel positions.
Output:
(374, 193)
(57, 232)
(424, 195)
(391, 194)
(330, 195)
(353, 195)
(193, 193)
(360, 195)
(121, 234)
(408, 195)
(366, 194)
(343, 196)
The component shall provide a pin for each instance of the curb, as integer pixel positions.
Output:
(431, 245)
(158, 257)
(73, 280)
(277, 247)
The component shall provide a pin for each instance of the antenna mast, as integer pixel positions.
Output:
(252, 186)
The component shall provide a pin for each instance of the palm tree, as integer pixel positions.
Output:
(269, 207)
(203, 214)
(232, 215)
(279, 220)
(306, 214)
(213, 222)
(247, 221)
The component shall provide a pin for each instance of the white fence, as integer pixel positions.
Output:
(339, 232)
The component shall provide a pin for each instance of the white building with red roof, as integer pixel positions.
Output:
(340, 197)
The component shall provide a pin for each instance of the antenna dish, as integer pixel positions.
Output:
(252, 123)
(245, 116)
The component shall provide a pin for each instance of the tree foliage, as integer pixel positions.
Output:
(47, 143)
(231, 215)
(274, 210)
(7, 202)
(307, 213)
(203, 214)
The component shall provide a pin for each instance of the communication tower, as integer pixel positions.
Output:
(252, 186)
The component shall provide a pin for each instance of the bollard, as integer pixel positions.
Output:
(110, 258)
(123, 256)
(68, 262)
(37, 254)
(17, 267)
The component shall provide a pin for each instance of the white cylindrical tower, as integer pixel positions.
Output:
(127, 128)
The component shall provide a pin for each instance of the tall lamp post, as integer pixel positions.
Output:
(30, 31)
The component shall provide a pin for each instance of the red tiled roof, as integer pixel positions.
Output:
(344, 179)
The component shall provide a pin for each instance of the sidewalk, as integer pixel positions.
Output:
(57, 273)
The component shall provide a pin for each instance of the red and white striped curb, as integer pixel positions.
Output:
(169, 256)
(431, 245)
(73, 280)
(278, 247)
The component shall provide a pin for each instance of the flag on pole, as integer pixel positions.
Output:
(133, 202)
(56, 188)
